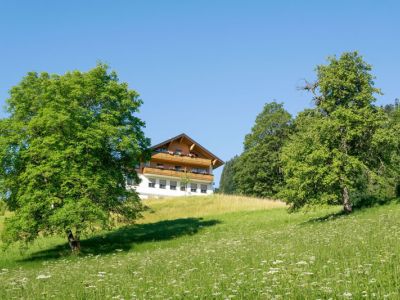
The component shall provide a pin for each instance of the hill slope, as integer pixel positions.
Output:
(252, 251)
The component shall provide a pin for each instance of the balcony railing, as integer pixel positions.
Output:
(181, 159)
(178, 173)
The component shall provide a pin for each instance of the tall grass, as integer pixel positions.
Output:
(3, 208)
(201, 206)
(250, 254)
(1, 224)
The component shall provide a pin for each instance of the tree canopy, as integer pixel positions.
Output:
(257, 171)
(66, 150)
(227, 184)
(345, 150)
(333, 157)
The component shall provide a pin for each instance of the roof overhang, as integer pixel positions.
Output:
(216, 161)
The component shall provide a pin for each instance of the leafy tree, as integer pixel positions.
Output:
(386, 143)
(312, 169)
(392, 108)
(66, 150)
(258, 171)
(331, 158)
(226, 183)
(185, 181)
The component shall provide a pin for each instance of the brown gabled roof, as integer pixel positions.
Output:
(219, 162)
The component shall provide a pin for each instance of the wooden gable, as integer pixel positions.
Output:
(187, 146)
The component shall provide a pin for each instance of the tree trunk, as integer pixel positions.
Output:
(346, 201)
(73, 242)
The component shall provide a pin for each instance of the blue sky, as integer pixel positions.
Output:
(205, 68)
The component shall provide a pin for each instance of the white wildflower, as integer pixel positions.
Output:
(42, 276)
(307, 273)
(347, 294)
(273, 270)
(276, 262)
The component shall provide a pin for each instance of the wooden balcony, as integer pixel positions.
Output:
(177, 174)
(181, 160)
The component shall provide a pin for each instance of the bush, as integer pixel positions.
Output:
(371, 200)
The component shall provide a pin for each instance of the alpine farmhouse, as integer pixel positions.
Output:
(179, 166)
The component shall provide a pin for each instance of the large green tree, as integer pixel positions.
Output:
(386, 143)
(66, 150)
(257, 171)
(227, 183)
(331, 158)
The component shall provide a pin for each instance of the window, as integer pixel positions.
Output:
(129, 181)
(172, 185)
(178, 151)
(160, 166)
(203, 188)
(178, 168)
(152, 183)
(163, 184)
(193, 187)
(183, 187)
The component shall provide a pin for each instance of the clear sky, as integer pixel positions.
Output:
(202, 67)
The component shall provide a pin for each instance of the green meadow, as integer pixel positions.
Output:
(218, 247)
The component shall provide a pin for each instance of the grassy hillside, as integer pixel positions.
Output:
(218, 248)
(197, 206)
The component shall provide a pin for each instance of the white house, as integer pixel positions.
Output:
(179, 166)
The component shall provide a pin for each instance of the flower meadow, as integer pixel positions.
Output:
(263, 253)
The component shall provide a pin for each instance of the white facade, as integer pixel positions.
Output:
(163, 186)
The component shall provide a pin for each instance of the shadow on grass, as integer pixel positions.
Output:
(328, 217)
(125, 238)
(361, 205)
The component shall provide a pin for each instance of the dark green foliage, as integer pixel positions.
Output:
(388, 141)
(65, 151)
(342, 151)
(258, 172)
(227, 184)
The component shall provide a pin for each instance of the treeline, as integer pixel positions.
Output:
(346, 150)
